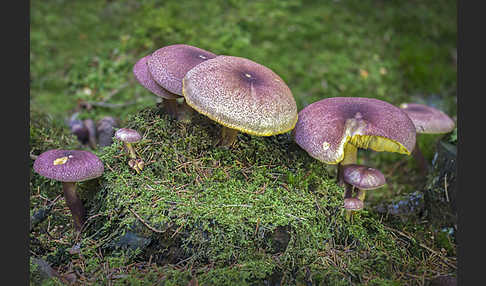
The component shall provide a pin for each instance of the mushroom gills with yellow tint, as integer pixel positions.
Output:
(378, 143)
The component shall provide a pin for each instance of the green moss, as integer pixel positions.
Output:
(261, 209)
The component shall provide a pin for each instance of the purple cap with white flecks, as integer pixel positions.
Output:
(353, 204)
(326, 126)
(169, 65)
(363, 177)
(427, 119)
(143, 76)
(128, 135)
(68, 165)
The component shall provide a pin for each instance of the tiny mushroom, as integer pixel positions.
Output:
(69, 167)
(105, 129)
(241, 95)
(91, 126)
(169, 65)
(128, 136)
(332, 129)
(79, 129)
(143, 76)
(363, 178)
(351, 205)
(427, 120)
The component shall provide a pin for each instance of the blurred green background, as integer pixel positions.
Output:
(84, 51)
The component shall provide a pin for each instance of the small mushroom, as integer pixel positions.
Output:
(241, 95)
(363, 178)
(142, 74)
(69, 167)
(79, 129)
(169, 65)
(332, 129)
(91, 126)
(351, 205)
(427, 120)
(128, 136)
(105, 129)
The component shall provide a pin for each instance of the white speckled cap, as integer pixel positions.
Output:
(241, 94)
(128, 135)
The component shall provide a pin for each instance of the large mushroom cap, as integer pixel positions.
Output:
(143, 76)
(326, 126)
(363, 177)
(427, 119)
(128, 135)
(68, 165)
(241, 94)
(169, 65)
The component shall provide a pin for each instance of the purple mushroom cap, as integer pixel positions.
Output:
(241, 94)
(353, 204)
(427, 119)
(68, 165)
(169, 65)
(128, 135)
(142, 74)
(326, 126)
(363, 177)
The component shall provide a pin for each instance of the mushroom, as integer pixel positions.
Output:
(352, 204)
(427, 120)
(241, 95)
(79, 129)
(331, 130)
(169, 65)
(128, 136)
(69, 167)
(143, 76)
(363, 178)
(105, 129)
(91, 126)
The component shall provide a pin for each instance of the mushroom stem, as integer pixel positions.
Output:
(170, 107)
(74, 203)
(350, 157)
(184, 112)
(420, 159)
(131, 150)
(361, 195)
(228, 136)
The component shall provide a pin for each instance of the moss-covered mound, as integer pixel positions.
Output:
(260, 213)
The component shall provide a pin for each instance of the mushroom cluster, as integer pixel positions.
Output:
(332, 129)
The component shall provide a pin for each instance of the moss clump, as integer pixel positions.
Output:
(259, 212)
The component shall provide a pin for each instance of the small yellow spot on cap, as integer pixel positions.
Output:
(325, 145)
(60, 161)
